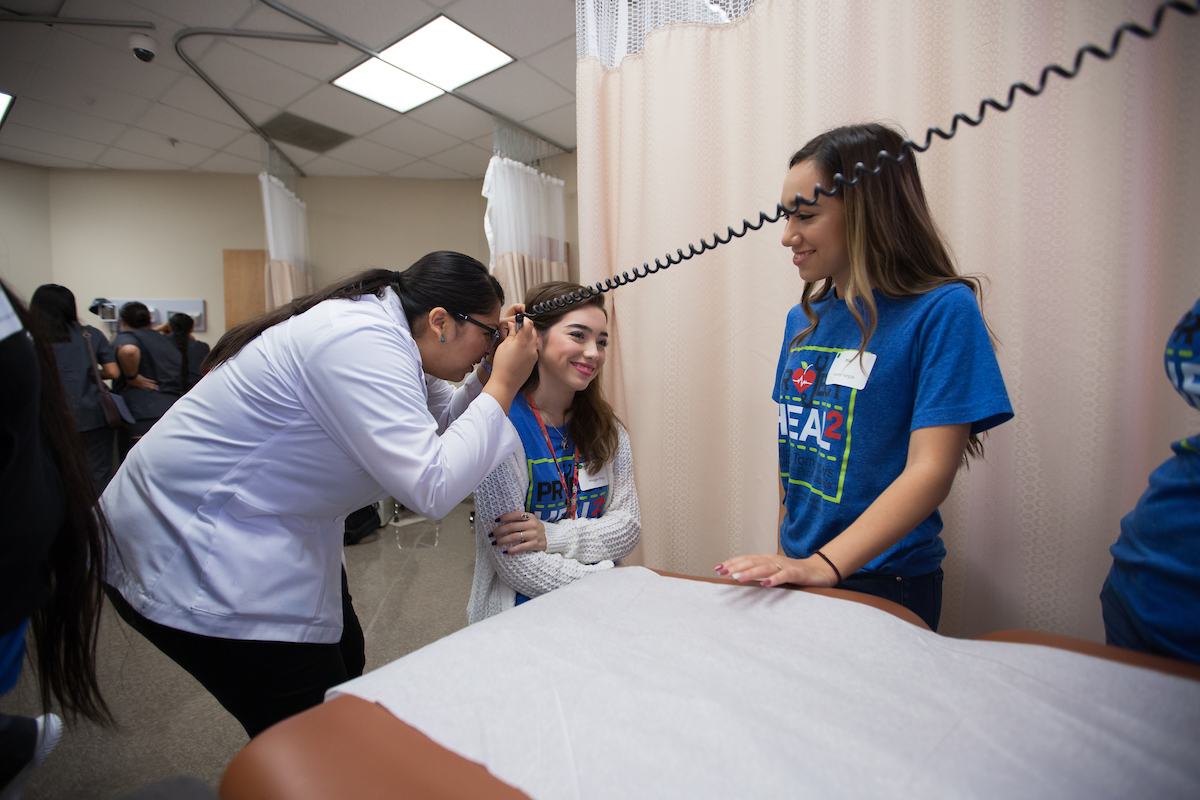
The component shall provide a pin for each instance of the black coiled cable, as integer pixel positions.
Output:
(884, 156)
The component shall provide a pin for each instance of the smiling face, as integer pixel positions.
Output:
(572, 350)
(816, 234)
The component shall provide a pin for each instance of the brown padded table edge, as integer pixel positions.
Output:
(1170, 666)
(353, 748)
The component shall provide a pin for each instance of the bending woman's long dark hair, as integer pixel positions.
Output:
(66, 628)
(443, 279)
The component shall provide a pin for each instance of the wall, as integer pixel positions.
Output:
(151, 234)
(25, 262)
(360, 223)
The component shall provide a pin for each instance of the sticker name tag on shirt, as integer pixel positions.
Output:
(850, 370)
(588, 481)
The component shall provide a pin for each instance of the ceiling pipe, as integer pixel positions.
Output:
(346, 40)
(103, 23)
(275, 35)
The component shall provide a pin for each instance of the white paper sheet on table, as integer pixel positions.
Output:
(629, 684)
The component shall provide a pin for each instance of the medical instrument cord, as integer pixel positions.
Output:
(884, 157)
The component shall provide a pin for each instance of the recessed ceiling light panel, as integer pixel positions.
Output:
(5, 103)
(386, 85)
(445, 54)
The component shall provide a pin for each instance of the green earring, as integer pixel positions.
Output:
(443, 340)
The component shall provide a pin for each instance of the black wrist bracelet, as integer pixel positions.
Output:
(832, 566)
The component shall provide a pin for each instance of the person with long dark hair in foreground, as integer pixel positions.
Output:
(228, 515)
(53, 548)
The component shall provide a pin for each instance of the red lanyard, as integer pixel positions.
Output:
(575, 459)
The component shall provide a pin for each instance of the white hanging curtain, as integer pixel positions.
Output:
(287, 269)
(525, 226)
(1079, 206)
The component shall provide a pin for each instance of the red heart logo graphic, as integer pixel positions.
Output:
(803, 378)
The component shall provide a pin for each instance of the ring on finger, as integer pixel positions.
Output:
(522, 540)
(524, 517)
(777, 567)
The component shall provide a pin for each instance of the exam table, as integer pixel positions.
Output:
(632, 683)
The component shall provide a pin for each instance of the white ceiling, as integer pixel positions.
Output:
(84, 101)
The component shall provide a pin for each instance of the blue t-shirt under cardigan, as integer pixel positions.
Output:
(841, 447)
(546, 497)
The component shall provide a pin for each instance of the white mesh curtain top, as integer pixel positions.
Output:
(287, 272)
(612, 30)
(525, 226)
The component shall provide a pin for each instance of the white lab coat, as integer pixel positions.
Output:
(228, 515)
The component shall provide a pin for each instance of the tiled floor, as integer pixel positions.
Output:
(405, 597)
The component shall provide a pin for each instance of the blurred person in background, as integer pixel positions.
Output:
(151, 368)
(192, 351)
(54, 308)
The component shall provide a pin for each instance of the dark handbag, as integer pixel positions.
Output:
(116, 413)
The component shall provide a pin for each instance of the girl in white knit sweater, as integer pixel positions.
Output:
(564, 504)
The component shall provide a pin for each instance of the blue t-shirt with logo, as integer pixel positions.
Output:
(843, 441)
(546, 496)
(1156, 561)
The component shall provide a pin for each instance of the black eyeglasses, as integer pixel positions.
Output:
(493, 331)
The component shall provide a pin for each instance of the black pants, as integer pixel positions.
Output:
(127, 438)
(18, 742)
(260, 683)
(921, 594)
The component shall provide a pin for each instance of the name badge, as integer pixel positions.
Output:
(588, 481)
(850, 370)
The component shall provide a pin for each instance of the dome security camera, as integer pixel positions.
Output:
(143, 46)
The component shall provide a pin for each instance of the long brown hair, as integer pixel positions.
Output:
(66, 628)
(443, 279)
(894, 246)
(593, 425)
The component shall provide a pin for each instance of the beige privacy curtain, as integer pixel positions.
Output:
(1079, 206)
(525, 226)
(287, 272)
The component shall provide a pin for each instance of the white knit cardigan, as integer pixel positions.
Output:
(574, 547)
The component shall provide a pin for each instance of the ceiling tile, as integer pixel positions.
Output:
(24, 42)
(39, 159)
(453, 116)
(188, 127)
(558, 125)
(158, 146)
(557, 63)
(518, 92)
(428, 170)
(536, 25)
(375, 23)
(324, 165)
(15, 75)
(226, 162)
(195, 96)
(409, 136)
(483, 141)
(45, 117)
(115, 158)
(249, 146)
(52, 144)
(466, 158)
(117, 69)
(68, 91)
(298, 154)
(208, 13)
(234, 69)
(321, 61)
(342, 110)
(371, 156)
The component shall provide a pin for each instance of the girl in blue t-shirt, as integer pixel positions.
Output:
(885, 380)
(564, 505)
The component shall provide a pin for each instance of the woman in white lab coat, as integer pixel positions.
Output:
(228, 514)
